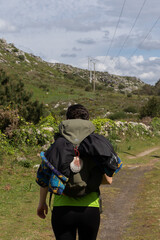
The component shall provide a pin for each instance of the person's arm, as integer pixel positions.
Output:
(106, 179)
(42, 209)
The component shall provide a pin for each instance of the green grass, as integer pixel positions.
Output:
(132, 147)
(19, 200)
(98, 103)
(145, 220)
(18, 190)
(65, 85)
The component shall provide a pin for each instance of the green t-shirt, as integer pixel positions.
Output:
(89, 200)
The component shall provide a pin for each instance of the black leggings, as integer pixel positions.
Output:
(67, 220)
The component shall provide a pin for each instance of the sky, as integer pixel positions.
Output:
(121, 37)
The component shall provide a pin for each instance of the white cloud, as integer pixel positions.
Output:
(6, 26)
(53, 61)
(69, 31)
(153, 58)
(137, 59)
(147, 76)
(138, 66)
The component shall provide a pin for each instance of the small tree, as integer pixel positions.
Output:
(13, 94)
(9, 120)
(88, 88)
(121, 86)
(151, 109)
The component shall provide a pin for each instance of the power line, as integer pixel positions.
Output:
(132, 27)
(154, 24)
(144, 38)
(115, 29)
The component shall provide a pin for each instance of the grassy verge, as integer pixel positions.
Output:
(19, 197)
(145, 220)
(130, 148)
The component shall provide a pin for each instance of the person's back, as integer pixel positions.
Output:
(81, 213)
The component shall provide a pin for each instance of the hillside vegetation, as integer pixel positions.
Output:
(34, 96)
(32, 89)
(58, 85)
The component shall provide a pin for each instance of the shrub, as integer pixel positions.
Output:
(15, 49)
(155, 123)
(9, 120)
(151, 108)
(21, 57)
(79, 84)
(88, 88)
(117, 115)
(44, 87)
(39, 134)
(130, 109)
(13, 94)
(1, 159)
(99, 87)
(129, 95)
(26, 164)
(71, 91)
(110, 89)
(107, 128)
(121, 86)
(5, 147)
(147, 90)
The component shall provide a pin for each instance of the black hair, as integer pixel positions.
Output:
(77, 111)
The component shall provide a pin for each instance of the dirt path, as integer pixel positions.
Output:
(124, 191)
(142, 154)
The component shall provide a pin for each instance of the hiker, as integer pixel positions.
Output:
(78, 208)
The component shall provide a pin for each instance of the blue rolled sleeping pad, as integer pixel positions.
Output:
(119, 166)
(48, 175)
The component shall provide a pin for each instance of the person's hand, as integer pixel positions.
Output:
(42, 210)
(106, 179)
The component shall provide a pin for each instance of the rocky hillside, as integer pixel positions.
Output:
(118, 83)
(30, 67)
